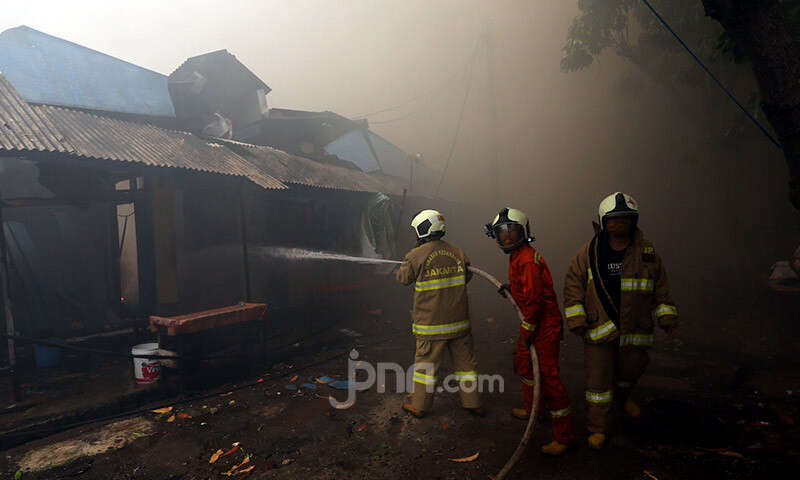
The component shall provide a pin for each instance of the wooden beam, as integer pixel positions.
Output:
(245, 257)
(5, 311)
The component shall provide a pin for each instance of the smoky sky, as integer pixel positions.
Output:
(352, 57)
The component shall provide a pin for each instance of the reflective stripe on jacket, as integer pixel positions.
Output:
(439, 272)
(644, 297)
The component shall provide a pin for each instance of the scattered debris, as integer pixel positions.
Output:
(216, 456)
(309, 386)
(344, 405)
(260, 380)
(162, 410)
(733, 454)
(445, 426)
(290, 386)
(650, 475)
(232, 402)
(349, 333)
(340, 384)
(232, 450)
(184, 415)
(287, 461)
(246, 470)
(361, 428)
(236, 467)
(294, 379)
(18, 475)
(761, 423)
(324, 380)
(171, 419)
(719, 451)
(225, 394)
(140, 434)
(649, 453)
(466, 459)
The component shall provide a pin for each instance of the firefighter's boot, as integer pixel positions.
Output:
(597, 440)
(554, 448)
(408, 407)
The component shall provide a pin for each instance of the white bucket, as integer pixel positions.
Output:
(144, 369)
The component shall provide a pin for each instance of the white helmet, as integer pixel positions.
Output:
(510, 218)
(428, 223)
(618, 204)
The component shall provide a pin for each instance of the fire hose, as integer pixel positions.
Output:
(526, 437)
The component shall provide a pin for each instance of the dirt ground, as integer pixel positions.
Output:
(707, 415)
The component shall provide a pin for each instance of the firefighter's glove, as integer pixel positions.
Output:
(503, 289)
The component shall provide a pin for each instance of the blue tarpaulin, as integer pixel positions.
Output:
(47, 69)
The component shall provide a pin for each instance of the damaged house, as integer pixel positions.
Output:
(127, 193)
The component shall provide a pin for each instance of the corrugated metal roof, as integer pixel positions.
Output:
(48, 69)
(293, 169)
(104, 138)
(24, 128)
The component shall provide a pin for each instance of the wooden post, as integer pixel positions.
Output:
(5, 311)
(398, 222)
(245, 257)
(145, 248)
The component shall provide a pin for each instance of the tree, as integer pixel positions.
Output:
(761, 33)
(767, 32)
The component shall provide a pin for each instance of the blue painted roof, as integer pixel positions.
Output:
(353, 147)
(394, 161)
(47, 69)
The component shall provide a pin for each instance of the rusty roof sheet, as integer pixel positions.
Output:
(28, 127)
(107, 138)
(293, 169)
(22, 127)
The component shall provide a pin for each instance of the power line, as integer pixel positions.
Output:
(446, 84)
(460, 116)
(710, 74)
(396, 119)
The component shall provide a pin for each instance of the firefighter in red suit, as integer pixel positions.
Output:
(531, 286)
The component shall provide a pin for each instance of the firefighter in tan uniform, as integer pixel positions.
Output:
(615, 291)
(440, 319)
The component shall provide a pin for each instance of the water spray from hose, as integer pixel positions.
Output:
(302, 254)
